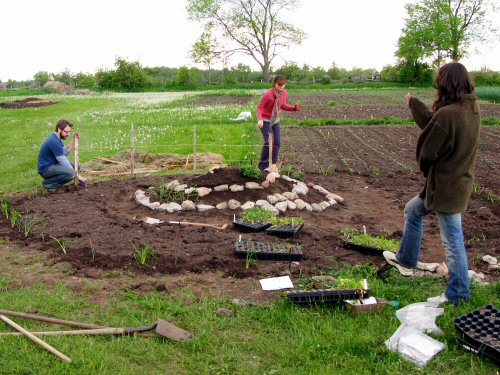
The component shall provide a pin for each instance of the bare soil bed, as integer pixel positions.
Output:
(27, 103)
(372, 168)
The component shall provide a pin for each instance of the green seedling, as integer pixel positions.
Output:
(92, 249)
(258, 215)
(250, 260)
(5, 208)
(144, 253)
(288, 170)
(169, 194)
(326, 171)
(59, 242)
(286, 220)
(15, 217)
(491, 196)
(366, 239)
(29, 223)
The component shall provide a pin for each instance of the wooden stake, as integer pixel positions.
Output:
(194, 149)
(271, 142)
(132, 150)
(39, 341)
(76, 158)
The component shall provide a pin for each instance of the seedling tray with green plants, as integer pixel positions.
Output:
(367, 243)
(326, 295)
(254, 220)
(285, 227)
(261, 250)
(479, 331)
(341, 289)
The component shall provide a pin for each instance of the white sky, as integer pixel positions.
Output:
(85, 35)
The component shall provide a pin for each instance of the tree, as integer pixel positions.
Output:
(41, 78)
(206, 50)
(129, 74)
(251, 27)
(444, 28)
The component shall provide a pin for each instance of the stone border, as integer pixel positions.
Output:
(277, 203)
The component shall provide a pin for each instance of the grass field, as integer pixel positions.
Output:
(269, 338)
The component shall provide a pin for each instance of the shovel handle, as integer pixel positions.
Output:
(49, 320)
(31, 336)
(97, 331)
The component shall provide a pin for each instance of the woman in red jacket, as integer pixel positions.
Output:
(268, 116)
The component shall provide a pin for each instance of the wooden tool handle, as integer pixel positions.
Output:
(49, 320)
(97, 331)
(31, 336)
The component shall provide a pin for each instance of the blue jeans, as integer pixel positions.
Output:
(264, 155)
(450, 227)
(57, 175)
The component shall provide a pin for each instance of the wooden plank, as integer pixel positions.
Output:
(110, 160)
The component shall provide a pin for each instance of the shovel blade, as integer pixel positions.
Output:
(167, 329)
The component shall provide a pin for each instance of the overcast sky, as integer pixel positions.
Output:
(86, 35)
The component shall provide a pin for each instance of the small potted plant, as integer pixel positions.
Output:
(285, 226)
(368, 243)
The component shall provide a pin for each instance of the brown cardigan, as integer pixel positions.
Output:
(446, 150)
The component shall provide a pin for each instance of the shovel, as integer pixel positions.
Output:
(222, 227)
(161, 328)
(169, 330)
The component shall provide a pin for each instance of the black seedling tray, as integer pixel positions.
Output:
(326, 295)
(261, 250)
(247, 226)
(369, 250)
(480, 330)
(285, 231)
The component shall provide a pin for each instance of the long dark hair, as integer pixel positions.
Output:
(452, 83)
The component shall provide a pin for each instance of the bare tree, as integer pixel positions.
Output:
(251, 27)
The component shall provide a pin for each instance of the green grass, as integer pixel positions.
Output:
(271, 338)
(489, 93)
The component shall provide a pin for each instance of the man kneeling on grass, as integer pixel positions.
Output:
(53, 165)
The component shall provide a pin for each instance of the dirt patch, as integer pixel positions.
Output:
(373, 168)
(27, 103)
(221, 100)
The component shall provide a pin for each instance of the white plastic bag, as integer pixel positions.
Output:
(414, 345)
(421, 316)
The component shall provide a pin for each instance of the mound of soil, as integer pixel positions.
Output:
(101, 224)
(27, 103)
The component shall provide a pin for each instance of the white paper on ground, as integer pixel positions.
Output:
(276, 283)
(152, 220)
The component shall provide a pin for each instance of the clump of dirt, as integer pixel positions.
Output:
(27, 103)
(59, 87)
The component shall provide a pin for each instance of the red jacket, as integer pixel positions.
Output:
(266, 104)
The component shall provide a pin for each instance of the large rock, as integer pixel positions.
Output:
(222, 206)
(203, 191)
(281, 206)
(221, 187)
(233, 204)
(188, 205)
(234, 188)
(204, 207)
(253, 185)
(248, 205)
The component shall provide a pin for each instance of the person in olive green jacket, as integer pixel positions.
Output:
(446, 150)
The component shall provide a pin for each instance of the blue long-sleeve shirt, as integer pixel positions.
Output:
(52, 152)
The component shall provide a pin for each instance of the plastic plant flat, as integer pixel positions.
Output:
(326, 295)
(369, 250)
(273, 251)
(247, 226)
(479, 331)
(285, 231)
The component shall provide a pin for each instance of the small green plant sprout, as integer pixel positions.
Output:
(286, 220)
(5, 208)
(476, 188)
(29, 222)
(362, 238)
(376, 170)
(145, 255)
(289, 171)
(61, 243)
(168, 193)
(491, 196)
(250, 170)
(326, 170)
(258, 215)
(347, 283)
(15, 217)
(250, 260)
(92, 249)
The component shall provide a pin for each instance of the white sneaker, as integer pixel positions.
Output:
(390, 257)
(439, 299)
